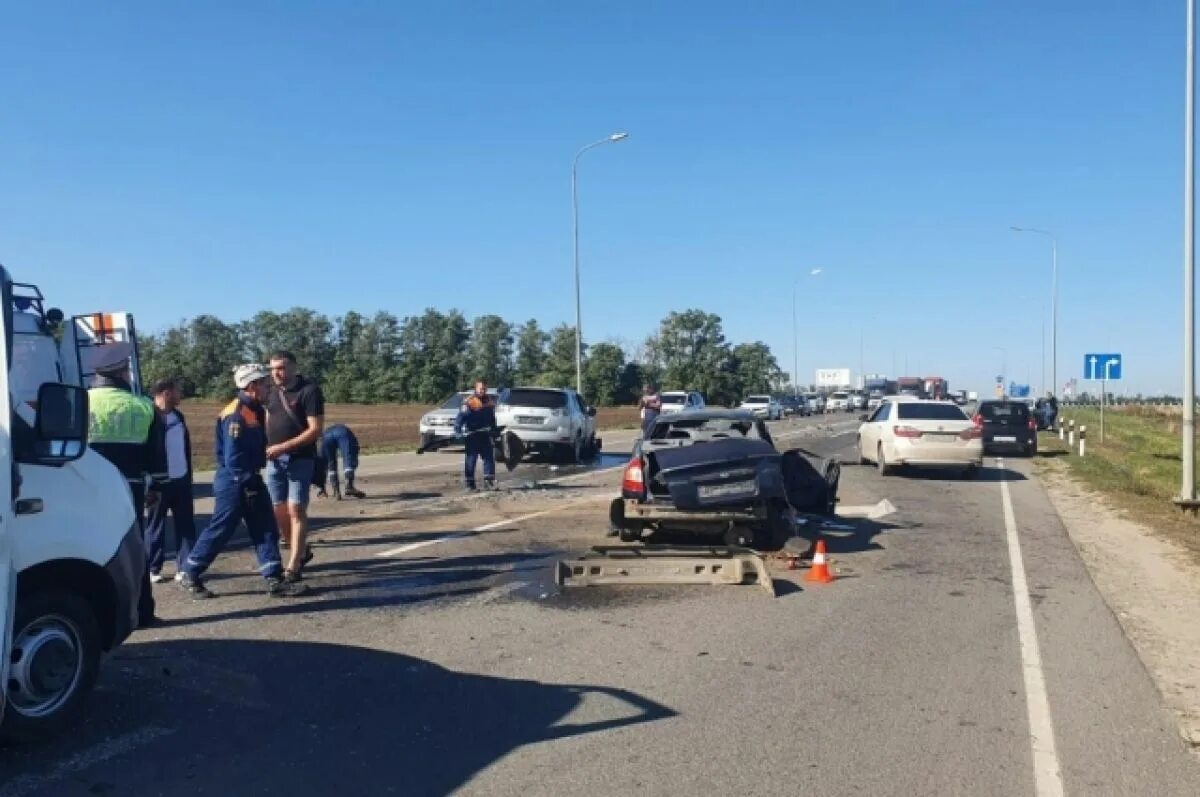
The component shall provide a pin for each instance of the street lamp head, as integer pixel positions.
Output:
(618, 136)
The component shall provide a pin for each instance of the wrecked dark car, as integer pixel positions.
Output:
(717, 474)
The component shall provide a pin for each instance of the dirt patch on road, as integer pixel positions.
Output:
(1152, 585)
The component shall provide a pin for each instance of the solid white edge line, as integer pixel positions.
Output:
(1047, 772)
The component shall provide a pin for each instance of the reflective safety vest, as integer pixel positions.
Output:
(118, 416)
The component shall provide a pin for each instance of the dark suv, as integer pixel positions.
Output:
(1008, 427)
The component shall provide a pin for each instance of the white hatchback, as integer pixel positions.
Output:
(920, 433)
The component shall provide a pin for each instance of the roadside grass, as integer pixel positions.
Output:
(380, 428)
(1137, 468)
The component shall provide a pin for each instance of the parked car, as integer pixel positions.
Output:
(905, 431)
(549, 420)
(838, 401)
(959, 397)
(874, 400)
(858, 401)
(1008, 427)
(438, 423)
(681, 400)
(717, 473)
(816, 402)
(763, 407)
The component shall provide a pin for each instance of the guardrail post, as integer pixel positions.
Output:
(1071, 433)
(1082, 439)
(1062, 428)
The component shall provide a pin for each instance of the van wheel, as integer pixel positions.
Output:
(54, 663)
(779, 528)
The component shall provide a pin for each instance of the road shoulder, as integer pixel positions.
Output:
(1151, 586)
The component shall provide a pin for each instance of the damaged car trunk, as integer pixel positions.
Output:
(717, 473)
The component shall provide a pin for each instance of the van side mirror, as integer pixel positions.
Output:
(61, 426)
(591, 411)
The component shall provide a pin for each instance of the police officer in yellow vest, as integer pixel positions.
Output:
(126, 430)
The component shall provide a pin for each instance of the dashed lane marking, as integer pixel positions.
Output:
(84, 759)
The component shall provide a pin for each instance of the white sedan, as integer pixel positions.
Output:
(905, 431)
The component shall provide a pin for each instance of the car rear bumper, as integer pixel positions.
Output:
(937, 455)
(662, 511)
(533, 438)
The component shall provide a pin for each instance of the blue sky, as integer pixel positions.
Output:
(173, 159)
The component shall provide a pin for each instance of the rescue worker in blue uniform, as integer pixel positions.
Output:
(475, 425)
(337, 439)
(239, 491)
(126, 430)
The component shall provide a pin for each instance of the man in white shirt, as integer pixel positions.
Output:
(175, 495)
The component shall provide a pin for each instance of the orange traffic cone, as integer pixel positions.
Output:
(819, 572)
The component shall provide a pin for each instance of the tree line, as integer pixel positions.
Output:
(424, 358)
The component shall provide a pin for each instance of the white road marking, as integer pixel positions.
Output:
(1047, 772)
(412, 546)
(98, 753)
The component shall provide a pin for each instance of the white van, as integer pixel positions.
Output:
(71, 556)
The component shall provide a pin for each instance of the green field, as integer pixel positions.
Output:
(1137, 466)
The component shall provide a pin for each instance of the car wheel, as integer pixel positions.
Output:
(884, 468)
(1030, 450)
(55, 659)
(779, 528)
(573, 452)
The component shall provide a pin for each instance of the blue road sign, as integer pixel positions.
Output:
(1105, 367)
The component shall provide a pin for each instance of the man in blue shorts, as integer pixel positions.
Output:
(295, 421)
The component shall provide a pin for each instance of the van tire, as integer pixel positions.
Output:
(65, 613)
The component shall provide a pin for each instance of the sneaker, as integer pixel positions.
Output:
(470, 488)
(282, 587)
(195, 587)
(308, 555)
(354, 492)
(489, 484)
(157, 578)
(179, 577)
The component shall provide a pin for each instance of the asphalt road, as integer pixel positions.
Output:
(436, 656)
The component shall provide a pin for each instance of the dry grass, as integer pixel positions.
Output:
(380, 428)
(1137, 467)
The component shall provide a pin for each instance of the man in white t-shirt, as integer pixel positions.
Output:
(173, 496)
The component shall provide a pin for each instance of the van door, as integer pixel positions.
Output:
(8, 477)
(85, 333)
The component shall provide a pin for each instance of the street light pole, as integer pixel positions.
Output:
(1053, 301)
(1187, 493)
(575, 230)
(796, 335)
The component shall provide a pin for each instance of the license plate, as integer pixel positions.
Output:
(723, 490)
(1004, 439)
(530, 419)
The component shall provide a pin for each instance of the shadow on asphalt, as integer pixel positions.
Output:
(1044, 453)
(272, 717)
(369, 583)
(985, 474)
(861, 537)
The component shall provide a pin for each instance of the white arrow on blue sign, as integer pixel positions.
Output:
(1105, 367)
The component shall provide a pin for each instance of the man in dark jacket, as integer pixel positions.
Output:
(475, 424)
(125, 429)
(175, 494)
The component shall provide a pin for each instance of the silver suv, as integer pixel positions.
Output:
(550, 420)
(438, 423)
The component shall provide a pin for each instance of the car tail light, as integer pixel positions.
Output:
(1032, 425)
(633, 482)
(974, 433)
(977, 419)
(906, 431)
